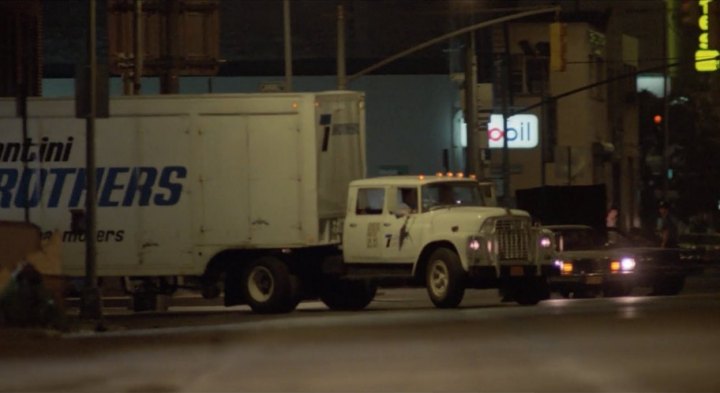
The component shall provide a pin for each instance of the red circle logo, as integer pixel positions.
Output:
(495, 134)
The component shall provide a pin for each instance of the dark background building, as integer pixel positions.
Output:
(47, 39)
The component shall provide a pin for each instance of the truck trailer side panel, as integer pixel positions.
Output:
(182, 178)
(279, 181)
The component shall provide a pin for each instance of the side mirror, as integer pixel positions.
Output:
(402, 211)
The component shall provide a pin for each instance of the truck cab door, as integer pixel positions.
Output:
(362, 232)
(401, 235)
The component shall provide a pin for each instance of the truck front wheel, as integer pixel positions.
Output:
(347, 295)
(445, 278)
(269, 287)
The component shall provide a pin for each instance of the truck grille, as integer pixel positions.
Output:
(512, 238)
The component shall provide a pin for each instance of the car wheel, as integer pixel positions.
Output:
(347, 294)
(586, 293)
(269, 288)
(445, 278)
(616, 290)
(669, 286)
(565, 293)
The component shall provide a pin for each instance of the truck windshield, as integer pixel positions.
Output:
(451, 194)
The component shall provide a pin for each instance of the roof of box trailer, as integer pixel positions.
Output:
(411, 181)
(148, 97)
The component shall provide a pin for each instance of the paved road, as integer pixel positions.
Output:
(637, 343)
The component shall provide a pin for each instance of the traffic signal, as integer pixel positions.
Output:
(689, 12)
(558, 31)
(657, 119)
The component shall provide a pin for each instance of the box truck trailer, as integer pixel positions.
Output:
(254, 196)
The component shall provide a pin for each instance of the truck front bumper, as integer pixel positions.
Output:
(491, 276)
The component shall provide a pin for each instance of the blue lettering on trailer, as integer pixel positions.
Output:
(65, 187)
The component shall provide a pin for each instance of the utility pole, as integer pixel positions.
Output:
(22, 91)
(666, 107)
(169, 81)
(341, 57)
(288, 45)
(544, 129)
(137, 47)
(471, 108)
(507, 100)
(91, 306)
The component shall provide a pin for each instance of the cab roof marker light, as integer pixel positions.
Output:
(421, 177)
(439, 174)
(474, 177)
(460, 175)
(450, 174)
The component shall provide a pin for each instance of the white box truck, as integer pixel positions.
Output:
(249, 194)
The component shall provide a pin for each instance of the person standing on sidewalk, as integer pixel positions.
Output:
(667, 227)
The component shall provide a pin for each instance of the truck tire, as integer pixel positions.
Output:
(268, 287)
(348, 295)
(445, 278)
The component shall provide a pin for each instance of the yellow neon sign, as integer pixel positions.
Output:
(706, 58)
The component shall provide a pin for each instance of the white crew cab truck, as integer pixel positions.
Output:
(439, 232)
(246, 195)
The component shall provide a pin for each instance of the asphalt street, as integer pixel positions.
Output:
(400, 343)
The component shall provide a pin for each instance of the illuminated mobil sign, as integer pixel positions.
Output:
(522, 132)
(706, 58)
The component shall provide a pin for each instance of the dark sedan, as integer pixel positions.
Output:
(591, 263)
(703, 247)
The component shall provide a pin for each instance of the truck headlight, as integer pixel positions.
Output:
(476, 249)
(545, 242)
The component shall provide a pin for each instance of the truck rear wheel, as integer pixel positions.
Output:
(347, 294)
(445, 278)
(268, 286)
